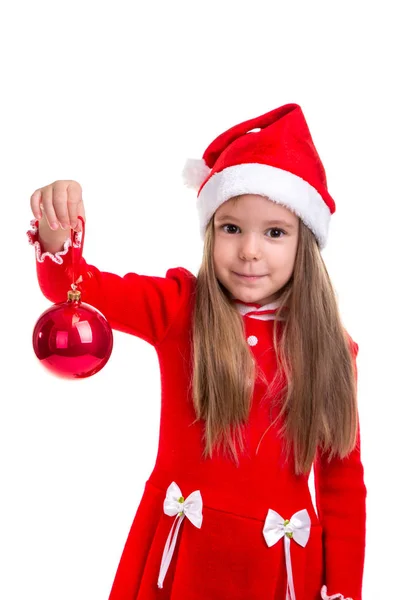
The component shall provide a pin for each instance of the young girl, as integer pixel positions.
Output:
(258, 379)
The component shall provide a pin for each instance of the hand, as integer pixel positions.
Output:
(61, 203)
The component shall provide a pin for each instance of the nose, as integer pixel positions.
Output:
(250, 247)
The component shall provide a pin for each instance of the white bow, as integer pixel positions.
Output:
(175, 504)
(297, 527)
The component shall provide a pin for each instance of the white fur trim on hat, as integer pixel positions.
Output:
(280, 186)
(195, 172)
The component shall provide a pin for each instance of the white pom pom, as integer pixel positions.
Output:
(195, 172)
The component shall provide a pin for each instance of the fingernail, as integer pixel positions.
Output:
(54, 225)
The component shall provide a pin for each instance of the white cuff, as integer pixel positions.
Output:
(57, 257)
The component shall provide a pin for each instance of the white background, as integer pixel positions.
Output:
(117, 96)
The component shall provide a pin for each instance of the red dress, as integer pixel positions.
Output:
(220, 551)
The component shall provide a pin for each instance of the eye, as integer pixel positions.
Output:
(276, 229)
(230, 226)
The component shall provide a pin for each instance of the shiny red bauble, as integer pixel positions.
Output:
(72, 339)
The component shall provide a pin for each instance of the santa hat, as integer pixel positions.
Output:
(279, 161)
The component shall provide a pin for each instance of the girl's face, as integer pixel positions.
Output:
(255, 244)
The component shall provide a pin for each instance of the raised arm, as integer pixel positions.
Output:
(145, 306)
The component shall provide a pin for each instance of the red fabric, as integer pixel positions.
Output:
(341, 502)
(228, 557)
(284, 141)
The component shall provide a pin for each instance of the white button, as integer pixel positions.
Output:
(252, 340)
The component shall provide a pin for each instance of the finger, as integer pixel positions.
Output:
(48, 208)
(60, 204)
(35, 204)
(74, 204)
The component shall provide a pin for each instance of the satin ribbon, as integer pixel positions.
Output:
(175, 504)
(297, 527)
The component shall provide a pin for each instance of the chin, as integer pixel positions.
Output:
(251, 297)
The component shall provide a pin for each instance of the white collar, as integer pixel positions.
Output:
(256, 311)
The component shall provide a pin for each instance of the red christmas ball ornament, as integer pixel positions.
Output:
(72, 339)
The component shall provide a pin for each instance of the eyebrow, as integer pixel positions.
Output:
(267, 222)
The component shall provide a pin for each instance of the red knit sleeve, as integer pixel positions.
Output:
(141, 305)
(340, 494)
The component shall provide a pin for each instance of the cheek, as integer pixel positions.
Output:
(283, 260)
(216, 258)
(215, 255)
(220, 252)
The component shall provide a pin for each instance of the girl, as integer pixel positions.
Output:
(258, 380)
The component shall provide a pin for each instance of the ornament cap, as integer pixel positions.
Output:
(74, 295)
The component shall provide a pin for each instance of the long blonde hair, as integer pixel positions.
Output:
(318, 399)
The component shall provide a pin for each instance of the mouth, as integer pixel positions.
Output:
(249, 277)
